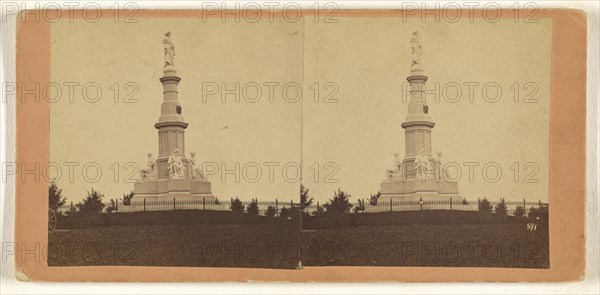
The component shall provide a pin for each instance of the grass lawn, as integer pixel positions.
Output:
(277, 245)
(477, 245)
(248, 245)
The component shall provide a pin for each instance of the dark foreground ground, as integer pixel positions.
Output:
(277, 245)
(475, 245)
(225, 245)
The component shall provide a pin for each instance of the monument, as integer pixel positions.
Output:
(418, 176)
(172, 174)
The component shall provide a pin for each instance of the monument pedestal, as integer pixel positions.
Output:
(167, 189)
(428, 189)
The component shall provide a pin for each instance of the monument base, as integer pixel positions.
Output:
(167, 189)
(429, 189)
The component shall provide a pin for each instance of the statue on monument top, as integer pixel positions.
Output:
(169, 50)
(416, 51)
(175, 164)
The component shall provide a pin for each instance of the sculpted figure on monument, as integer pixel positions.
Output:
(148, 172)
(443, 173)
(438, 166)
(396, 172)
(416, 50)
(175, 164)
(196, 172)
(421, 165)
(397, 162)
(169, 50)
(390, 174)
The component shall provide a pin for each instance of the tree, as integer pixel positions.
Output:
(284, 213)
(296, 213)
(271, 211)
(236, 205)
(374, 198)
(217, 201)
(538, 213)
(485, 206)
(319, 211)
(534, 213)
(501, 207)
(340, 203)
(71, 211)
(92, 203)
(519, 211)
(252, 209)
(127, 198)
(55, 197)
(305, 199)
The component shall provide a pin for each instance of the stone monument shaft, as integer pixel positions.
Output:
(171, 125)
(418, 123)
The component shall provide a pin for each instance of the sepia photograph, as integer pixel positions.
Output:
(301, 144)
(293, 144)
(177, 167)
(435, 152)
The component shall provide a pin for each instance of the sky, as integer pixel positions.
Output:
(344, 131)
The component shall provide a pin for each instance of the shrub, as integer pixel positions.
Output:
(271, 211)
(236, 205)
(538, 213)
(340, 203)
(252, 209)
(127, 198)
(519, 211)
(501, 207)
(296, 213)
(55, 197)
(71, 211)
(92, 203)
(284, 213)
(374, 198)
(318, 211)
(305, 199)
(485, 206)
